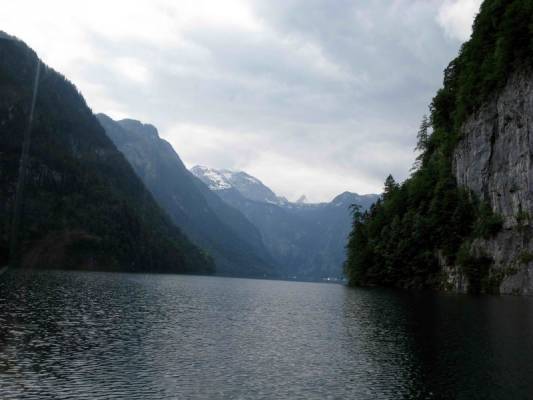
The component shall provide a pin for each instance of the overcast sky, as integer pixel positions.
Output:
(312, 97)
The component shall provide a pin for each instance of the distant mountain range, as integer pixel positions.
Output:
(306, 240)
(242, 223)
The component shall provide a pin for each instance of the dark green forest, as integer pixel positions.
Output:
(84, 207)
(397, 243)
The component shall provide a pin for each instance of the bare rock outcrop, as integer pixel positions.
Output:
(494, 159)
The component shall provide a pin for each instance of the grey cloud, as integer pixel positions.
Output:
(336, 89)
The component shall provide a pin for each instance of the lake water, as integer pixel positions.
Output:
(105, 336)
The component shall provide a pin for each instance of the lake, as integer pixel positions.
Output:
(128, 336)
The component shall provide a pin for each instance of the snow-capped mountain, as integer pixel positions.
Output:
(306, 239)
(249, 186)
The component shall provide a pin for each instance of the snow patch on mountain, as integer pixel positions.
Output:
(214, 179)
(249, 186)
(253, 189)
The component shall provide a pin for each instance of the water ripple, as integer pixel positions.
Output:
(67, 335)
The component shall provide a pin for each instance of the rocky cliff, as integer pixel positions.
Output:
(461, 221)
(494, 160)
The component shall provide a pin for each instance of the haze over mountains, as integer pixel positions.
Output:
(130, 204)
(306, 240)
(243, 224)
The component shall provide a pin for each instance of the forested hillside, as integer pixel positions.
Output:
(428, 221)
(84, 207)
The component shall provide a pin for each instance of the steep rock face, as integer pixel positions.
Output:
(494, 160)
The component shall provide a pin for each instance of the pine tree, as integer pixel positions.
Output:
(390, 186)
(423, 135)
(422, 142)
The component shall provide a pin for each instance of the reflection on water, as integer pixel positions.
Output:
(97, 335)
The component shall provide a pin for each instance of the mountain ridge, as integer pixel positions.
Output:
(248, 185)
(84, 207)
(233, 241)
(223, 179)
(306, 239)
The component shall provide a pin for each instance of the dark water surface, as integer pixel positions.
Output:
(107, 336)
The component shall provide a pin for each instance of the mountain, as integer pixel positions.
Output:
(83, 205)
(306, 240)
(234, 242)
(250, 187)
(462, 222)
(302, 199)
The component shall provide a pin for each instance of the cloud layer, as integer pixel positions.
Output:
(310, 96)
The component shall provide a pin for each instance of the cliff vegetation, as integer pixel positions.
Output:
(429, 221)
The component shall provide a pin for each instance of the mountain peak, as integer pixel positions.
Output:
(302, 199)
(248, 185)
(6, 36)
(139, 128)
(214, 179)
(130, 126)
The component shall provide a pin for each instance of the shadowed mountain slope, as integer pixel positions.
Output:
(233, 241)
(84, 207)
